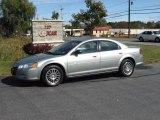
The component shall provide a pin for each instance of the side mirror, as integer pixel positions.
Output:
(77, 52)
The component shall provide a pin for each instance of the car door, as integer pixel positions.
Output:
(144, 35)
(110, 55)
(149, 35)
(86, 62)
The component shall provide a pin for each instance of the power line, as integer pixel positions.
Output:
(113, 14)
(117, 16)
(132, 14)
(146, 13)
(145, 9)
(149, 6)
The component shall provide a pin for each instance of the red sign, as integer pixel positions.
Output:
(48, 32)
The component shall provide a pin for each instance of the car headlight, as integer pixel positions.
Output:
(30, 65)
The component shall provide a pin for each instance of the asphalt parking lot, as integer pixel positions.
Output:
(99, 97)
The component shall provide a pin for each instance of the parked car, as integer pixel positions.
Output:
(149, 35)
(79, 58)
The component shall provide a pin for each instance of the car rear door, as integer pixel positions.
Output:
(87, 62)
(110, 55)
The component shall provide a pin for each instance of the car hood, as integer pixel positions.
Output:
(35, 58)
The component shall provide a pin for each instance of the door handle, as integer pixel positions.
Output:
(120, 53)
(94, 56)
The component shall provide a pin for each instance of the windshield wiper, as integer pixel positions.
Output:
(49, 53)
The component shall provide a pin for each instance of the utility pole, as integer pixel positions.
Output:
(129, 18)
(61, 12)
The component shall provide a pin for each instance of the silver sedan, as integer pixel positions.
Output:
(79, 58)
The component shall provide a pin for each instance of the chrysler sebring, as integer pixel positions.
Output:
(79, 58)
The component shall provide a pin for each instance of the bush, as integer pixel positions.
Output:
(32, 49)
(11, 49)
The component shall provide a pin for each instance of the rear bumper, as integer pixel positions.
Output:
(139, 60)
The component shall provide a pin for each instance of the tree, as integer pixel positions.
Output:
(55, 15)
(92, 17)
(16, 16)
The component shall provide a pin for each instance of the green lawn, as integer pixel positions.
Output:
(150, 53)
(5, 67)
(11, 50)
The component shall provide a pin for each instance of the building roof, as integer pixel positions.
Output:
(102, 28)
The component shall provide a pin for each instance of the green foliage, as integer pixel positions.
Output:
(55, 15)
(135, 24)
(93, 16)
(5, 67)
(151, 53)
(16, 16)
(11, 49)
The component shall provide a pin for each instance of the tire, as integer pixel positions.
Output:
(141, 39)
(52, 75)
(126, 68)
(157, 39)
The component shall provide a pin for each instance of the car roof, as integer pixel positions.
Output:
(96, 39)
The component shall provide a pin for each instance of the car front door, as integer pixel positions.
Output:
(110, 55)
(149, 35)
(86, 62)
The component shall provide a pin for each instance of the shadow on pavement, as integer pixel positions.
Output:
(92, 78)
(20, 83)
(144, 67)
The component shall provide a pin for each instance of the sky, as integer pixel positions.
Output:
(141, 10)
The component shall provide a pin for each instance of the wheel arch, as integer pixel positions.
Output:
(57, 64)
(128, 57)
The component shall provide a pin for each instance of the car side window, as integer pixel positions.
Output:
(108, 46)
(88, 47)
(149, 33)
(145, 32)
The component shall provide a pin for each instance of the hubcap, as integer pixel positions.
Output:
(53, 76)
(128, 68)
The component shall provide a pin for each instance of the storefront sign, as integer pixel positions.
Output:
(47, 31)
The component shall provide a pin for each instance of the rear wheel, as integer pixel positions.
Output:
(157, 39)
(141, 39)
(126, 68)
(52, 75)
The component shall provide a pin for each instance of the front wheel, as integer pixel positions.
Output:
(126, 68)
(52, 75)
(141, 39)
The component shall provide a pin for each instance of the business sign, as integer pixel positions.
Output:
(47, 31)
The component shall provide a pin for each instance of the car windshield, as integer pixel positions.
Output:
(64, 48)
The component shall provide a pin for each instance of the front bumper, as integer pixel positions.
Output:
(31, 74)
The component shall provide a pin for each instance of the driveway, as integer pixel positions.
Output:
(98, 97)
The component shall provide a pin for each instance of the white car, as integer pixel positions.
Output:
(149, 36)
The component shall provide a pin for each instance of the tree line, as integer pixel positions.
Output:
(135, 24)
(16, 16)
